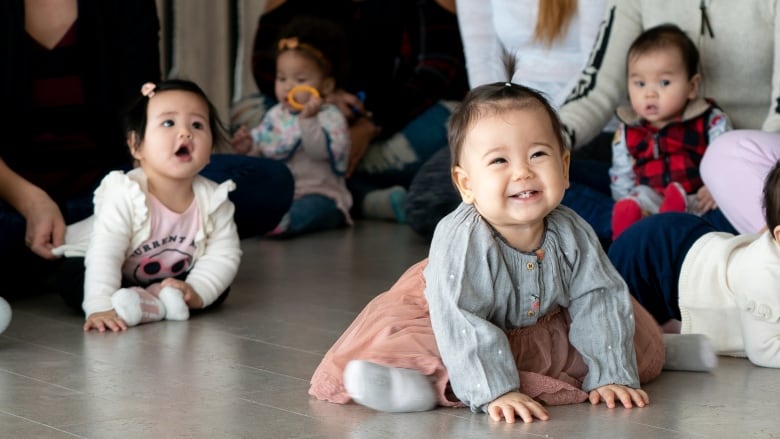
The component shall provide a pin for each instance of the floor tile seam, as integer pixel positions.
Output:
(33, 421)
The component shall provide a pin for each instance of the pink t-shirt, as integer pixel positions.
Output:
(170, 248)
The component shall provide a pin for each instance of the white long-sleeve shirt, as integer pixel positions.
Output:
(488, 26)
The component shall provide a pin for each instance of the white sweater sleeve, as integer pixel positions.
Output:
(216, 268)
(761, 335)
(602, 84)
(755, 291)
(480, 42)
(114, 222)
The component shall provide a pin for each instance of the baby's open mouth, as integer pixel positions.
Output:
(183, 151)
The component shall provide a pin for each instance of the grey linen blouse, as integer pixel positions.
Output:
(478, 287)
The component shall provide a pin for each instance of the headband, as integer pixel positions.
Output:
(293, 43)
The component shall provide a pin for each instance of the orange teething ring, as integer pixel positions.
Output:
(299, 88)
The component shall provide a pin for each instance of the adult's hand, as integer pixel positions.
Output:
(350, 105)
(45, 224)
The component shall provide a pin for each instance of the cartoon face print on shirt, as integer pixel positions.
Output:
(170, 249)
(157, 267)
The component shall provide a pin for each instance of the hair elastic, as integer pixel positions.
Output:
(148, 89)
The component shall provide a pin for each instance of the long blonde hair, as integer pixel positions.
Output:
(553, 20)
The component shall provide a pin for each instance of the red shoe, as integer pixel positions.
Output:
(675, 199)
(624, 213)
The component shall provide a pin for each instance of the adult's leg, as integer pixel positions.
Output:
(649, 256)
(313, 212)
(15, 257)
(395, 161)
(264, 190)
(716, 218)
(431, 194)
(592, 173)
(734, 168)
(66, 275)
(12, 227)
(589, 195)
(26, 272)
(599, 149)
(593, 206)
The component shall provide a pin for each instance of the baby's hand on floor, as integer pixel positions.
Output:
(509, 404)
(626, 395)
(105, 320)
(191, 298)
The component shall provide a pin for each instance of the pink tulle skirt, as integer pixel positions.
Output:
(394, 330)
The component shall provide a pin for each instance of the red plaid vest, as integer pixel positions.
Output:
(672, 153)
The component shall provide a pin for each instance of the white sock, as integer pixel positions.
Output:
(127, 305)
(282, 227)
(389, 389)
(175, 306)
(689, 352)
(136, 307)
(5, 315)
(388, 204)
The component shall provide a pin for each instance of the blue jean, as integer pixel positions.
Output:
(264, 190)
(313, 212)
(589, 195)
(426, 135)
(649, 256)
(432, 194)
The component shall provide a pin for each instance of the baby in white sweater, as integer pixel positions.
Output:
(694, 280)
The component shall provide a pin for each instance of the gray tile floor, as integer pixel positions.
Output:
(243, 370)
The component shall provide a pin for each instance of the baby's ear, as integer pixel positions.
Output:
(132, 143)
(694, 82)
(461, 179)
(566, 165)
